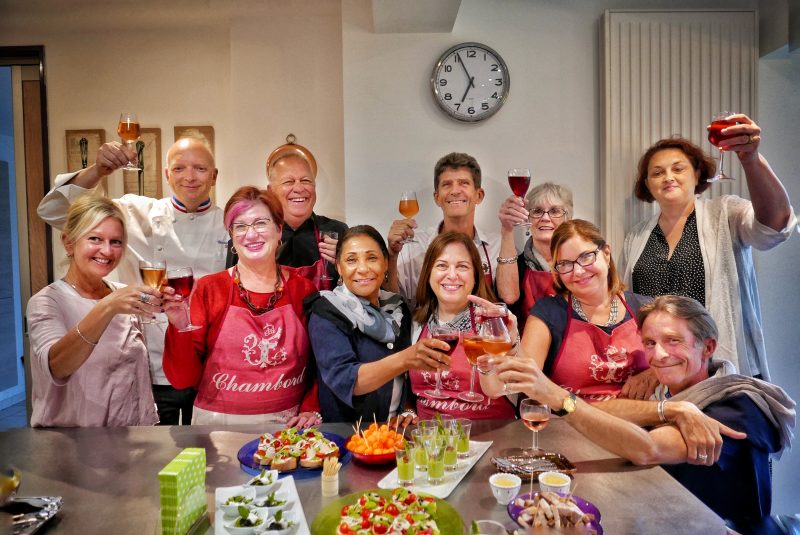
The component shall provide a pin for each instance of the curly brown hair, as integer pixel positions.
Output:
(699, 160)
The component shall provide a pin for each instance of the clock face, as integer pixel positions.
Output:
(470, 82)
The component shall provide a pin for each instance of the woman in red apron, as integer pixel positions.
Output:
(585, 339)
(251, 360)
(451, 272)
(522, 280)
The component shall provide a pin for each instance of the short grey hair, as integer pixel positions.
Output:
(555, 193)
(699, 320)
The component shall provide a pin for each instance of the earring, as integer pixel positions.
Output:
(233, 250)
(339, 282)
(386, 277)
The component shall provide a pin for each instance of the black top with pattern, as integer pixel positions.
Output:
(682, 274)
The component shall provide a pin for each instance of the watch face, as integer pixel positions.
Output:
(470, 82)
(570, 403)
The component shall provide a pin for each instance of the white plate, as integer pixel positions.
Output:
(221, 495)
(293, 501)
(451, 479)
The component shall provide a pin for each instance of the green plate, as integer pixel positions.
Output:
(327, 520)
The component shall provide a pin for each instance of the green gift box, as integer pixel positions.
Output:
(183, 496)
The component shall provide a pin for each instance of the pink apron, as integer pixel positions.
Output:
(316, 271)
(594, 365)
(258, 364)
(536, 285)
(454, 381)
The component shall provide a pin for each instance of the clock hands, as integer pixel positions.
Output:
(470, 78)
(471, 84)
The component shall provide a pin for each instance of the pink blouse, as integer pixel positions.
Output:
(111, 388)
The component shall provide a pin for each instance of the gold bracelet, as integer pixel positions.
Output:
(77, 330)
(507, 260)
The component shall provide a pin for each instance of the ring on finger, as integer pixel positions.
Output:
(702, 457)
(505, 388)
(750, 138)
(144, 298)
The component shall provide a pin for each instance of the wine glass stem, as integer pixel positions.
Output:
(472, 380)
(186, 311)
(721, 163)
(438, 381)
(535, 442)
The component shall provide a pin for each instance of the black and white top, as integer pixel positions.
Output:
(656, 273)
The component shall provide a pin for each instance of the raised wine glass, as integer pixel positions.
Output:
(519, 180)
(409, 207)
(182, 281)
(152, 272)
(128, 130)
(495, 338)
(473, 348)
(450, 336)
(326, 281)
(719, 122)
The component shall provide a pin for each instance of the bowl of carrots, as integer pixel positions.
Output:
(375, 444)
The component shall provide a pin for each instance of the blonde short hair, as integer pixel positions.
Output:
(88, 212)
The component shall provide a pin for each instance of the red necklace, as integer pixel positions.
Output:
(245, 295)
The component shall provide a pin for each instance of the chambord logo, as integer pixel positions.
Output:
(262, 351)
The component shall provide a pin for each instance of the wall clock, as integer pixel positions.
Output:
(470, 82)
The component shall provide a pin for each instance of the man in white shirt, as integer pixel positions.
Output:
(185, 230)
(457, 191)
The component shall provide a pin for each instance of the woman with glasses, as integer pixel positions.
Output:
(585, 338)
(522, 280)
(251, 360)
(701, 247)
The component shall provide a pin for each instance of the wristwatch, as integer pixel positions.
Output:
(568, 406)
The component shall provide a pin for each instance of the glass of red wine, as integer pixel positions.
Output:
(520, 180)
(450, 336)
(182, 280)
(326, 281)
(719, 122)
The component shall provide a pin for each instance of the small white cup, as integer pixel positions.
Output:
(505, 487)
(554, 482)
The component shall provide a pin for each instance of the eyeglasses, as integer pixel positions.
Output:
(586, 259)
(554, 213)
(259, 225)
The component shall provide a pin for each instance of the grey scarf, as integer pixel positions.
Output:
(533, 259)
(381, 324)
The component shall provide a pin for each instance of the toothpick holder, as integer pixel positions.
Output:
(330, 485)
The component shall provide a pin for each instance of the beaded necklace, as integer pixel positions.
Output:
(245, 295)
(612, 315)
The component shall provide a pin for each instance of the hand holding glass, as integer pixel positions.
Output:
(519, 180)
(152, 273)
(182, 281)
(409, 207)
(332, 235)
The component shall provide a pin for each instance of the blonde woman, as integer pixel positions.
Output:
(89, 359)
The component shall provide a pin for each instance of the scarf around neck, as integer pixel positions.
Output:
(381, 324)
(533, 259)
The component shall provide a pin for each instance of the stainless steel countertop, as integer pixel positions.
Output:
(108, 476)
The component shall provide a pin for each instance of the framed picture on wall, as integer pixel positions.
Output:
(82, 147)
(202, 132)
(149, 148)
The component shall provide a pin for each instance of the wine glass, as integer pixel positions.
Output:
(450, 336)
(182, 281)
(520, 180)
(326, 280)
(152, 272)
(719, 122)
(128, 130)
(409, 207)
(473, 347)
(535, 416)
(495, 338)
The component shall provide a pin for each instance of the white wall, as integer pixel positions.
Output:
(779, 283)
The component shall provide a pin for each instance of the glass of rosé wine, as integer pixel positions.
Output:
(719, 122)
(128, 130)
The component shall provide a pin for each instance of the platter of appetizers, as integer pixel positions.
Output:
(299, 453)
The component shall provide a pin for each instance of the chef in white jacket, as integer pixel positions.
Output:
(185, 229)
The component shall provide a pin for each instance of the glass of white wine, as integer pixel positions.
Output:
(128, 130)
(153, 274)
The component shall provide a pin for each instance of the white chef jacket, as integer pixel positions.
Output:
(197, 240)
